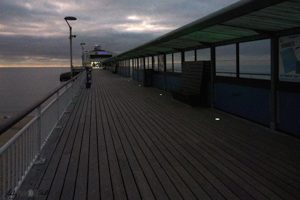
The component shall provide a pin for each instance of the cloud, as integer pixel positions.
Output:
(36, 29)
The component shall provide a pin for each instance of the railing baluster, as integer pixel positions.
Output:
(2, 176)
(14, 166)
(6, 172)
(58, 106)
(39, 120)
(10, 170)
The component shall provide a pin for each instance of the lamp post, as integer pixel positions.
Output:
(82, 48)
(70, 18)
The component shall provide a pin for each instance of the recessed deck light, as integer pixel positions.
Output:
(217, 119)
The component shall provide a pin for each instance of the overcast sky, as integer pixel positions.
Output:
(34, 33)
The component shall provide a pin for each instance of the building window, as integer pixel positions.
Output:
(203, 54)
(226, 60)
(161, 63)
(189, 56)
(169, 62)
(136, 63)
(177, 62)
(150, 63)
(255, 59)
(141, 64)
(155, 64)
(146, 62)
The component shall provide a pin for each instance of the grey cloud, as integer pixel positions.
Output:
(29, 47)
(41, 30)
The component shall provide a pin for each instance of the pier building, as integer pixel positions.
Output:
(217, 118)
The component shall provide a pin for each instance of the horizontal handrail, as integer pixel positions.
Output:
(15, 119)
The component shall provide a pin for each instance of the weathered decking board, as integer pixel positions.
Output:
(122, 141)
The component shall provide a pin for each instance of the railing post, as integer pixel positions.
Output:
(39, 123)
(57, 102)
(73, 91)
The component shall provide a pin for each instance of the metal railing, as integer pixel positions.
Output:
(19, 154)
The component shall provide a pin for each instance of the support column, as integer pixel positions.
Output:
(274, 81)
(237, 60)
(212, 75)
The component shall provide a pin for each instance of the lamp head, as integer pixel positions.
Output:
(70, 18)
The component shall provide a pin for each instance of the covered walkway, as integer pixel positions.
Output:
(123, 141)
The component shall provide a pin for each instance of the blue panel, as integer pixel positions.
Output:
(158, 81)
(289, 112)
(248, 102)
(174, 83)
(135, 75)
(141, 75)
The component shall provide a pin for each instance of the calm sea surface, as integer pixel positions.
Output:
(21, 87)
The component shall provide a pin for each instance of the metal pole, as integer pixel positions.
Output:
(82, 56)
(82, 53)
(274, 82)
(71, 62)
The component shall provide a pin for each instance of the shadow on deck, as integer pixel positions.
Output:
(122, 141)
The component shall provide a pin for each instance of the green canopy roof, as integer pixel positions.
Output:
(244, 19)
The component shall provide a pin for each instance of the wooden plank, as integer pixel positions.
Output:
(94, 176)
(115, 173)
(139, 175)
(106, 188)
(83, 165)
(70, 178)
(125, 169)
(61, 171)
(181, 180)
(150, 169)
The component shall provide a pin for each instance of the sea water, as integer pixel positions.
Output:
(22, 87)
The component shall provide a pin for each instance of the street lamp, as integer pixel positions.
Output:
(82, 48)
(69, 18)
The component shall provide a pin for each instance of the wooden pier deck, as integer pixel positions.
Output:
(123, 141)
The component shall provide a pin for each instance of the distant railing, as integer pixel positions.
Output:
(19, 154)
